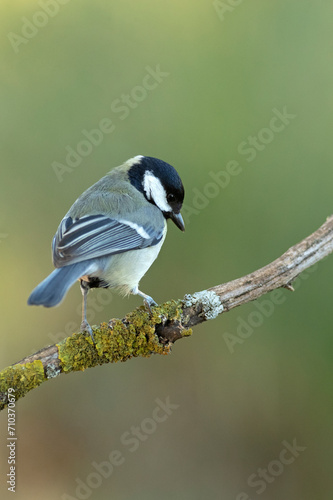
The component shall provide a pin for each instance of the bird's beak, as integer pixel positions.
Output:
(178, 220)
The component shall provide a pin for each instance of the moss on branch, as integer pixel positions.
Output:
(119, 340)
(141, 333)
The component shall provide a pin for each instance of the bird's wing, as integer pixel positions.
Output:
(95, 236)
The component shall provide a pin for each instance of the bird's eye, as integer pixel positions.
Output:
(171, 197)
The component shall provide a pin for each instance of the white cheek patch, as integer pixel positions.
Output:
(155, 191)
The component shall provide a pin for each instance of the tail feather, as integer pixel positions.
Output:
(52, 290)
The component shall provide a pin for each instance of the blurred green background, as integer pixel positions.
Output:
(225, 68)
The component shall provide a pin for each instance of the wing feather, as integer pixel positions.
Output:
(96, 236)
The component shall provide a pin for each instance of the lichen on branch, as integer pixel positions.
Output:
(118, 340)
(142, 333)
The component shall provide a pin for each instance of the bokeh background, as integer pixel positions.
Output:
(224, 67)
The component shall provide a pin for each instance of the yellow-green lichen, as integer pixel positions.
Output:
(172, 310)
(187, 332)
(21, 378)
(121, 340)
(77, 353)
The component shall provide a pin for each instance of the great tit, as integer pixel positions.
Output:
(113, 232)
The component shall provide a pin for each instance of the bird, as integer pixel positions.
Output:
(113, 233)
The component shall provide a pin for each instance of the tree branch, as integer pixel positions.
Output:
(141, 333)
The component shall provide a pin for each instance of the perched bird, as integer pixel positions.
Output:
(113, 232)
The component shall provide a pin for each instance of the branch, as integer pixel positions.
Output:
(142, 334)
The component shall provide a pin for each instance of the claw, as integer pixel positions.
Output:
(149, 303)
(85, 327)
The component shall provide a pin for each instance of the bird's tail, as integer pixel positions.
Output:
(52, 290)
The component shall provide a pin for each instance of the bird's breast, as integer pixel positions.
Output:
(125, 270)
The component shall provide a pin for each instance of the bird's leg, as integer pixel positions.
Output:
(148, 301)
(85, 327)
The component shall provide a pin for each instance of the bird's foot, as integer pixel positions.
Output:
(149, 302)
(85, 327)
